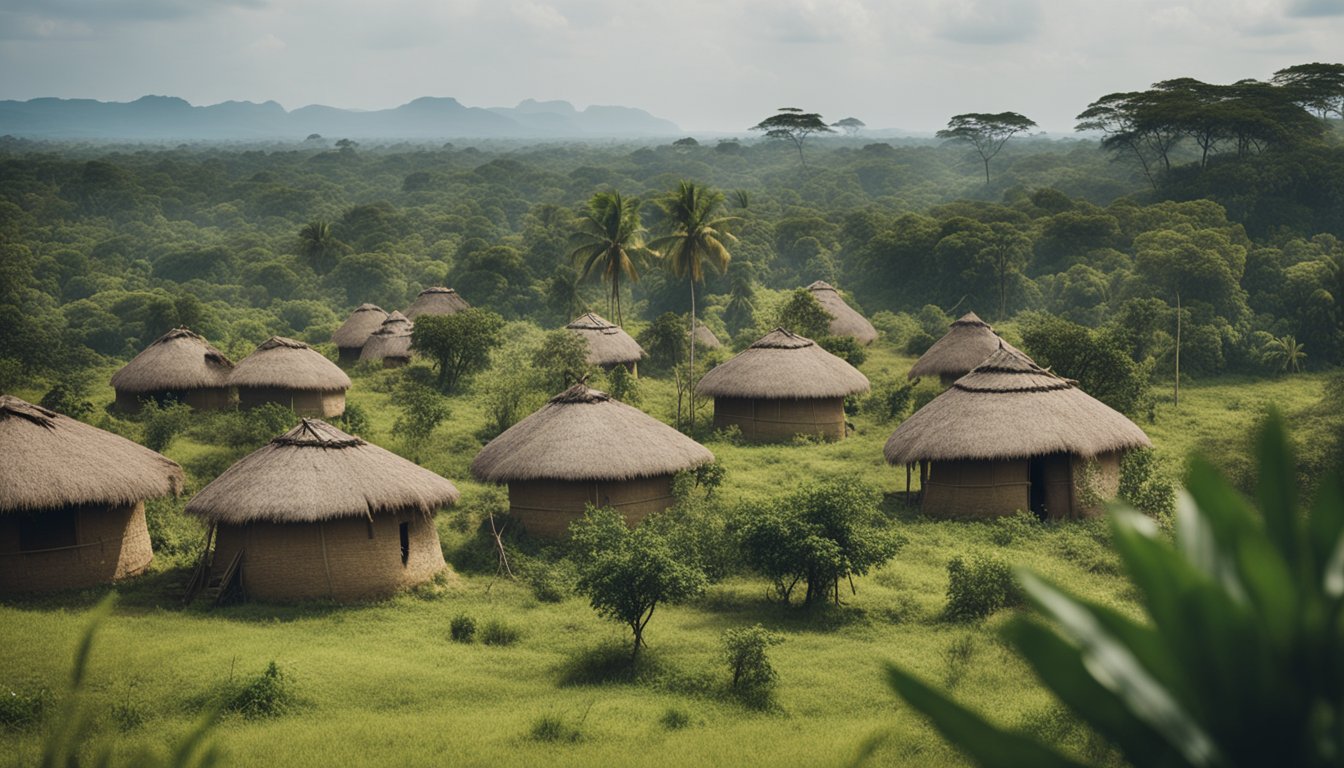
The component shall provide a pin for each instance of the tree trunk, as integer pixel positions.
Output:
(691, 373)
(1177, 397)
(986, 171)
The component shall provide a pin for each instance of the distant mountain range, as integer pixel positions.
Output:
(171, 118)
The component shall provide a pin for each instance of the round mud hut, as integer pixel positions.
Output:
(845, 320)
(968, 343)
(178, 366)
(357, 328)
(436, 301)
(1012, 436)
(292, 374)
(584, 447)
(391, 343)
(608, 345)
(320, 514)
(72, 510)
(781, 386)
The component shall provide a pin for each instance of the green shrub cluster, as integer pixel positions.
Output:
(978, 586)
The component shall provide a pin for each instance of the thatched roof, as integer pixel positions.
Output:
(436, 301)
(179, 359)
(1010, 408)
(845, 321)
(608, 344)
(969, 342)
(783, 366)
(359, 326)
(288, 364)
(705, 337)
(584, 434)
(317, 472)
(392, 339)
(48, 460)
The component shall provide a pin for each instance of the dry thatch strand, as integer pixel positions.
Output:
(584, 434)
(436, 301)
(969, 342)
(608, 344)
(359, 326)
(285, 363)
(706, 338)
(49, 461)
(391, 340)
(783, 365)
(316, 472)
(845, 321)
(1008, 408)
(178, 360)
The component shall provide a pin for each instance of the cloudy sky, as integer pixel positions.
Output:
(705, 64)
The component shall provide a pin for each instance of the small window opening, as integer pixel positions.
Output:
(405, 543)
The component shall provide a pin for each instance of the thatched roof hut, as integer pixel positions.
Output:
(585, 447)
(1011, 436)
(318, 513)
(967, 344)
(781, 386)
(845, 320)
(706, 338)
(436, 301)
(180, 365)
(608, 344)
(391, 343)
(72, 497)
(350, 337)
(292, 374)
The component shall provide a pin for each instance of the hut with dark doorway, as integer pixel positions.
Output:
(585, 447)
(179, 366)
(72, 511)
(436, 301)
(1011, 436)
(292, 374)
(320, 514)
(968, 343)
(357, 328)
(781, 386)
(845, 320)
(608, 344)
(705, 338)
(391, 343)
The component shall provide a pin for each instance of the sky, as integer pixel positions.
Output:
(707, 65)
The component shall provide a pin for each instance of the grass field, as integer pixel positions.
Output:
(383, 684)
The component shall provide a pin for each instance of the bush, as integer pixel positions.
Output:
(547, 583)
(69, 398)
(554, 729)
(978, 587)
(846, 348)
(889, 400)
(744, 650)
(958, 658)
(919, 343)
(171, 532)
(1015, 527)
(496, 632)
(21, 709)
(623, 385)
(164, 422)
(269, 694)
(674, 719)
(355, 420)
(462, 629)
(1145, 486)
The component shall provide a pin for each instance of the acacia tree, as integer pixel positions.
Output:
(850, 125)
(1141, 124)
(795, 125)
(459, 344)
(986, 132)
(1316, 86)
(609, 241)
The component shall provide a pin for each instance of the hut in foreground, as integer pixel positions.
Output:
(584, 447)
(608, 344)
(781, 386)
(180, 366)
(968, 342)
(1012, 436)
(357, 328)
(845, 320)
(292, 374)
(72, 510)
(436, 301)
(391, 343)
(318, 513)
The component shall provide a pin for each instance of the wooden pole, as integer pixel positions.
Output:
(1177, 396)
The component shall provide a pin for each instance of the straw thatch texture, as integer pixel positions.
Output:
(706, 338)
(584, 434)
(179, 360)
(391, 343)
(845, 320)
(317, 472)
(73, 547)
(280, 363)
(968, 343)
(784, 366)
(436, 301)
(357, 328)
(50, 461)
(608, 344)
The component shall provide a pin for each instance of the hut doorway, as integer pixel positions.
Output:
(405, 543)
(1036, 478)
(55, 529)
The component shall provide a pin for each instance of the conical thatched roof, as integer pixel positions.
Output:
(436, 301)
(705, 337)
(179, 359)
(608, 344)
(288, 364)
(584, 434)
(969, 342)
(845, 321)
(783, 366)
(48, 460)
(392, 339)
(1009, 408)
(359, 326)
(317, 472)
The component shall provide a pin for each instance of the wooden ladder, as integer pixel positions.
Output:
(200, 575)
(223, 589)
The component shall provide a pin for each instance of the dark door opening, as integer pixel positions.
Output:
(49, 529)
(1036, 476)
(405, 543)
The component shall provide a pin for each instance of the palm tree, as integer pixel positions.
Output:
(318, 246)
(695, 235)
(609, 241)
(1285, 353)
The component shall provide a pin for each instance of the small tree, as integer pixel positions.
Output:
(795, 125)
(744, 650)
(803, 314)
(623, 385)
(1284, 354)
(459, 344)
(561, 360)
(422, 410)
(987, 133)
(665, 341)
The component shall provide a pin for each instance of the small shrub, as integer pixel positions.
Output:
(674, 719)
(171, 532)
(958, 659)
(553, 728)
(731, 434)
(69, 398)
(889, 400)
(546, 582)
(355, 420)
(164, 422)
(978, 587)
(462, 629)
(1145, 485)
(846, 348)
(709, 476)
(744, 649)
(21, 709)
(623, 385)
(902, 610)
(128, 715)
(495, 632)
(1018, 526)
(269, 694)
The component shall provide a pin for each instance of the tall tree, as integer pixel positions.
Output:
(318, 246)
(850, 125)
(1316, 86)
(986, 132)
(1137, 124)
(609, 242)
(1006, 249)
(793, 124)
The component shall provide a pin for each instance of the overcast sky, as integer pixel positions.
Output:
(704, 64)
